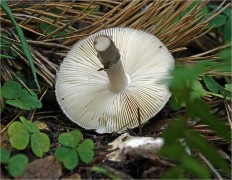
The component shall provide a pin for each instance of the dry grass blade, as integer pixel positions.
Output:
(156, 17)
(204, 55)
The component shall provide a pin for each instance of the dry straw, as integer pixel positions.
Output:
(81, 19)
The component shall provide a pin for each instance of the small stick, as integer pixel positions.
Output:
(47, 44)
(210, 166)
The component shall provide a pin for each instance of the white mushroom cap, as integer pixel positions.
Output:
(83, 92)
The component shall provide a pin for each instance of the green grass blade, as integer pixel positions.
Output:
(22, 38)
(2, 56)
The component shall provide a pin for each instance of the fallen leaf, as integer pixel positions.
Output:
(44, 168)
(41, 125)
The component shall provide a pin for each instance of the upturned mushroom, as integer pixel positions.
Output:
(108, 76)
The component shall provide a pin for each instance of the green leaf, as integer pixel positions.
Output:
(173, 151)
(174, 104)
(227, 12)
(198, 90)
(198, 169)
(218, 21)
(173, 173)
(225, 54)
(67, 156)
(17, 164)
(87, 144)
(195, 141)
(31, 127)
(19, 136)
(175, 130)
(211, 84)
(45, 27)
(10, 90)
(71, 139)
(77, 136)
(5, 156)
(102, 170)
(48, 29)
(18, 97)
(181, 74)
(205, 10)
(22, 38)
(2, 56)
(30, 101)
(182, 77)
(228, 87)
(189, 8)
(85, 155)
(85, 150)
(67, 139)
(227, 30)
(26, 101)
(40, 144)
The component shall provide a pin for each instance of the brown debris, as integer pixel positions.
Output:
(44, 168)
(74, 176)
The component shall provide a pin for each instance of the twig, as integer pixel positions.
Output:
(212, 50)
(46, 44)
(210, 166)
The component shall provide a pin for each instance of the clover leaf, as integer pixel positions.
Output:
(40, 144)
(19, 135)
(71, 149)
(16, 96)
(15, 164)
(71, 139)
(68, 156)
(197, 90)
(31, 127)
(85, 151)
(25, 132)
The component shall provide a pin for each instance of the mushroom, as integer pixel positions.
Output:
(106, 77)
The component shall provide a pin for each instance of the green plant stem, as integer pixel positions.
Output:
(217, 95)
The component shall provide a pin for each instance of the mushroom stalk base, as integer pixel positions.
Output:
(109, 56)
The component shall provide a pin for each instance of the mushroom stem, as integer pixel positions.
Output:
(109, 56)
